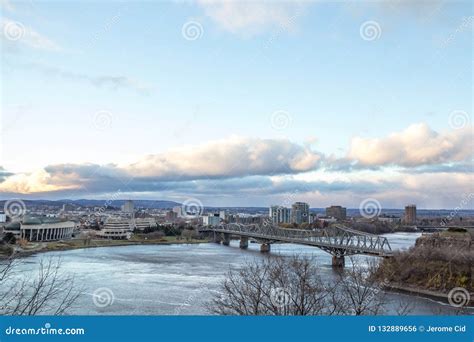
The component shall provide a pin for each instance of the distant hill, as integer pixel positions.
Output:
(149, 204)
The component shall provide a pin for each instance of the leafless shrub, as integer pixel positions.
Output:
(49, 292)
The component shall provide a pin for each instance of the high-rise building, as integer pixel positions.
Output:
(336, 211)
(410, 214)
(279, 214)
(211, 220)
(128, 207)
(300, 212)
(178, 210)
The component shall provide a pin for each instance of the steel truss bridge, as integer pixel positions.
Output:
(338, 240)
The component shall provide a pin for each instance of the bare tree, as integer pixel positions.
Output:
(49, 292)
(281, 286)
(361, 292)
(404, 307)
(274, 286)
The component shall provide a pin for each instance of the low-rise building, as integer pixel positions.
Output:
(116, 229)
(141, 224)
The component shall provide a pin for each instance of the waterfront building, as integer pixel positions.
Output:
(279, 214)
(116, 229)
(410, 214)
(336, 211)
(42, 229)
(300, 212)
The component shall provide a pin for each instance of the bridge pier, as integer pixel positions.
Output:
(244, 242)
(338, 261)
(226, 239)
(265, 248)
(217, 238)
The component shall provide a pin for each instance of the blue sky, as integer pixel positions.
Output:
(106, 84)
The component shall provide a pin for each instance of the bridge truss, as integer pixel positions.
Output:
(337, 240)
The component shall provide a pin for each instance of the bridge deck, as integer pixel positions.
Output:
(338, 240)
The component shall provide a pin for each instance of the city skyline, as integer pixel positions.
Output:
(238, 104)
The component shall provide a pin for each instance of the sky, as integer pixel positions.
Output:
(238, 103)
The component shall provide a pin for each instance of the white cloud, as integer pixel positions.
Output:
(417, 145)
(15, 33)
(232, 157)
(252, 17)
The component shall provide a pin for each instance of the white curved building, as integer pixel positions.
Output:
(46, 229)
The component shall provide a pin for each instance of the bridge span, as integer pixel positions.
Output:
(339, 241)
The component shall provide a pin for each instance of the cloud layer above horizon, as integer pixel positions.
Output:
(256, 167)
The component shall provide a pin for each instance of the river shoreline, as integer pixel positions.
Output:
(434, 295)
(64, 246)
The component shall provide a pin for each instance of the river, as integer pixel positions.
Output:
(181, 279)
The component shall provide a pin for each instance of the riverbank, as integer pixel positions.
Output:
(434, 295)
(438, 264)
(43, 247)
